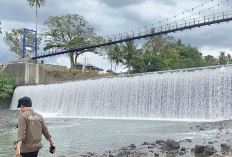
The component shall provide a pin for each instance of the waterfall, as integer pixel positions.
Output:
(203, 93)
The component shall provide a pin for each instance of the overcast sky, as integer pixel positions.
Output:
(111, 17)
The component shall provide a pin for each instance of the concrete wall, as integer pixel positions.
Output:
(27, 73)
(50, 67)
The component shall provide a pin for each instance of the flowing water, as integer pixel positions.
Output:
(186, 94)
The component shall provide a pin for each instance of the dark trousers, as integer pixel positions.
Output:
(31, 154)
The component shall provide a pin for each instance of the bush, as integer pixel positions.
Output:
(7, 86)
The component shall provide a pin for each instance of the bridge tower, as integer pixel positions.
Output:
(29, 37)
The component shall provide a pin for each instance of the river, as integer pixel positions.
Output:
(75, 136)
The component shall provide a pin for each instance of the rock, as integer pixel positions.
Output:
(150, 147)
(146, 143)
(211, 148)
(199, 149)
(207, 152)
(136, 154)
(170, 145)
(132, 146)
(181, 153)
(201, 129)
(154, 143)
(173, 144)
(91, 154)
(173, 152)
(188, 140)
(124, 148)
(225, 146)
(160, 142)
(183, 149)
(210, 142)
(123, 154)
(156, 154)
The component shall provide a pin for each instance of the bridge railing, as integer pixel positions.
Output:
(177, 25)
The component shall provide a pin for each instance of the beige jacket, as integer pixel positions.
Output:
(31, 126)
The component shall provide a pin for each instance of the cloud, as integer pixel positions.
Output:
(119, 4)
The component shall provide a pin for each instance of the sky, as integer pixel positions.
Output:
(112, 17)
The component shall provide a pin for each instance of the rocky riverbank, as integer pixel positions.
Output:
(211, 142)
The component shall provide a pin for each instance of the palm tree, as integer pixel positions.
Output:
(115, 54)
(131, 54)
(37, 3)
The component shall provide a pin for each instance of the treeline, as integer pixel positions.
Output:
(161, 53)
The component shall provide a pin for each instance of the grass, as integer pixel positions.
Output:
(1, 67)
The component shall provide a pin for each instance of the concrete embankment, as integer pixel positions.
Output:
(30, 73)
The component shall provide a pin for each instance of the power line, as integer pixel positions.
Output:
(139, 30)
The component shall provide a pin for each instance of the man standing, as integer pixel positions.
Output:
(31, 126)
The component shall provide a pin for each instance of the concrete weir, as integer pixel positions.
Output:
(200, 93)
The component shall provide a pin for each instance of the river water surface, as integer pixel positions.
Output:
(74, 136)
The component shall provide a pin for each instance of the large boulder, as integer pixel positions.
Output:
(146, 143)
(132, 146)
(160, 142)
(170, 145)
(123, 154)
(225, 146)
(209, 150)
(199, 149)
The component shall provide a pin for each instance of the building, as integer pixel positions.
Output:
(95, 68)
(89, 67)
(79, 66)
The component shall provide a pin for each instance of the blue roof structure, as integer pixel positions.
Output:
(89, 65)
(94, 67)
(100, 69)
(109, 71)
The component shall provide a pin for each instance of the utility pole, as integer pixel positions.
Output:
(111, 66)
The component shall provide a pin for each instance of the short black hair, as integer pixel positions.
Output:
(25, 101)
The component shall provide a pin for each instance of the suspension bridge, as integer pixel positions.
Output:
(206, 14)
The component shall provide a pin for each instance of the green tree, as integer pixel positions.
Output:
(157, 44)
(148, 62)
(210, 60)
(7, 86)
(115, 54)
(223, 59)
(131, 54)
(229, 59)
(164, 53)
(14, 39)
(37, 3)
(68, 32)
